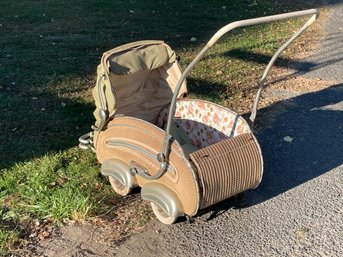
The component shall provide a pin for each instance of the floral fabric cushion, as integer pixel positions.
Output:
(204, 123)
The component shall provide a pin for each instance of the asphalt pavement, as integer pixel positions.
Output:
(298, 208)
(327, 63)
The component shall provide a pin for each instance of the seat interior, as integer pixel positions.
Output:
(198, 124)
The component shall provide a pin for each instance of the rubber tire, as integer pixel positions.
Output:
(161, 215)
(118, 187)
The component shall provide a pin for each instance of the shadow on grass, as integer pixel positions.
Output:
(44, 40)
(259, 58)
(299, 67)
(210, 91)
(38, 124)
(41, 40)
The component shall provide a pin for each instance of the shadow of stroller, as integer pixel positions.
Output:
(315, 123)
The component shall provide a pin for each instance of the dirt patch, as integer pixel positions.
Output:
(95, 237)
(74, 240)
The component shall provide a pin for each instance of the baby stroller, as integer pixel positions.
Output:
(185, 154)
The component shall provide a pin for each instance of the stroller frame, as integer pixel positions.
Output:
(167, 202)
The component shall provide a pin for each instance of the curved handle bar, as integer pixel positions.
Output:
(234, 25)
(272, 61)
(166, 146)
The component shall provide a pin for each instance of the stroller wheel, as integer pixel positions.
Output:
(118, 187)
(119, 176)
(164, 202)
(162, 215)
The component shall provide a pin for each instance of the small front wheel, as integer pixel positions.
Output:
(118, 187)
(162, 215)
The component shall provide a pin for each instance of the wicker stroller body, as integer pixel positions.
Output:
(198, 175)
(185, 154)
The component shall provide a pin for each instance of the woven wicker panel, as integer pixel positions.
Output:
(228, 168)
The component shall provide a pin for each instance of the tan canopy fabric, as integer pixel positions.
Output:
(135, 58)
(137, 80)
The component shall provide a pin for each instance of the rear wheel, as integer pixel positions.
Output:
(118, 173)
(119, 187)
(162, 215)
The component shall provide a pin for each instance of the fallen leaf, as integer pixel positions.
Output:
(43, 235)
(61, 181)
(98, 187)
(83, 186)
(33, 234)
(288, 139)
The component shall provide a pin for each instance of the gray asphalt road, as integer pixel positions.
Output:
(298, 208)
(327, 63)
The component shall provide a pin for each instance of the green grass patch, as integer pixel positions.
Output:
(234, 65)
(54, 187)
(7, 237)
(49, 51)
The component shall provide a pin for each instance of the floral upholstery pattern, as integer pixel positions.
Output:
(205, 123)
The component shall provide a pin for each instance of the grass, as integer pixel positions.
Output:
(7, 237)
(56, 187)
(227, 73)
(49, 53)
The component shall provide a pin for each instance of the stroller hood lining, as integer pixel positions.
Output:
(142, 79)
(145, 93)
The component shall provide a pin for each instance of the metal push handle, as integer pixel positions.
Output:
(163, 156)
(308, 23)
